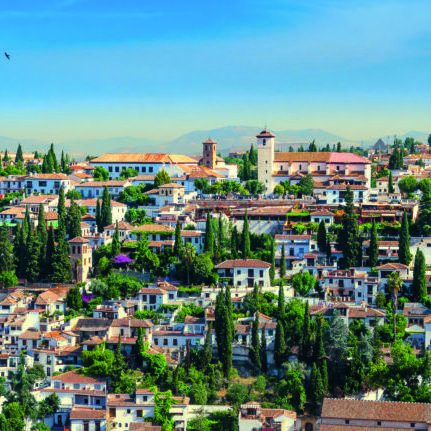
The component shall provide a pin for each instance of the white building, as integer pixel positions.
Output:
(47, 183)
(244, 272)
(94, 189)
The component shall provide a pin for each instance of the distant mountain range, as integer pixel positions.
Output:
(229, 138)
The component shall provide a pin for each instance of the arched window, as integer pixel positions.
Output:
(308, 427)
(264, 141)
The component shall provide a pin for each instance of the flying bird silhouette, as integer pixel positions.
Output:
(7, 55)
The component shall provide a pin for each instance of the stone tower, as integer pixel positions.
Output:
(265, 159)
(209, 154)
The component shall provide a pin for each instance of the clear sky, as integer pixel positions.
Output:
(158, 68)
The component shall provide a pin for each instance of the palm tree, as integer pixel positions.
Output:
(394, 286)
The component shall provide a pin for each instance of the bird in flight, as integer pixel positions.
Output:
(7, 55)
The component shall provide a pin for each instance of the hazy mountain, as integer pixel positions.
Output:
(229, 138)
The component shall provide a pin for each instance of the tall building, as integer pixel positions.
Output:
(209, 154)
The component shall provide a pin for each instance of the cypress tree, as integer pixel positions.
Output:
(73, 225)
(423, 222)
(373, 250)
(328, 250)
(419, 286)
(255, 344)
(305, 347)
(318, 350)
(220, 235)
(256, 296)
(61, 265)
(116, 245)
(139, 348)
(98, 217)
(279, 344)
(44, 165)
(209, 235)
(61, 210)
(55, 167)
(32, 258)
(207, 351)
(283, 262)
(19, 252)
(262, 349)
(253, 156)
(50, 251)
(321, 237)
(348, 237)
(178, 244)
(6, 157)
(391, 188)
(245, 238)
(281, 303)
(43, 239)
(62, 162)
(105, 211)
(234, 243)
(404, 254)
(49, 163)
(19, 158)
(224, 330)
(356, 371)
(6, 250)
(272, 268)
(317, 389)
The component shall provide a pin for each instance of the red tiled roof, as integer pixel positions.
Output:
(77, 414)
(265, 134)
(243, 263)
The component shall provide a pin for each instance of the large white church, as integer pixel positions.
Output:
(325, 167)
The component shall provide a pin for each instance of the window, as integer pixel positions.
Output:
(128, 411)
(175, 341)
(156, 341)
(57, 385)
(261, 273)
(150, 169)
(238, 271)
(379, 423)
(139, 412)
(165, 342)
(117, 169)
(412, 425)
(110, 169)
(238, 283)
(359, 294)
(76, 386)
(347, 421)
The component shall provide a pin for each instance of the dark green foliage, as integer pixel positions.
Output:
(105, 211)
(116, 245)
(423, 223)
(348, 235)
(306, 347)
(419, 286)
(61, 266)
(6, 250)
(100, 174)
(255, 345)
(373, 250)
(224, 329)
(245, 238)
(73, 220)
(317, 390)
(303, 283)
(74, 299)
(161, 178)
(262, 351)
(306, 185)
(356, 372)
(19, 158)
(209, 235)
(321, 237)
(32, 258)
(98, 216)
(391, 188)
(279, 344)
(396, 160)
(61, 210)
(178, 244)
(404, 254)
(282, 262)
(272, 267)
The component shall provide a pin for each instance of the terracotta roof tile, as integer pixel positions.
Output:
(243, 263)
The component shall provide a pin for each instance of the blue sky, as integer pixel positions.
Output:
(84, 69)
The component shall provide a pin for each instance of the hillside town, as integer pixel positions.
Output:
(251, 291)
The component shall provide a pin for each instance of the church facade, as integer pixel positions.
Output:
(326, 168)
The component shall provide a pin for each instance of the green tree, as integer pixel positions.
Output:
(105, 211)
(74, 299)
(306, 347)
(245, 238)
(100, 174)
(306, 185)
(6, 250)
(209, 236)
(262, 351)
(321, 237)
(394, 285)
(178, 244)
(348, 235)
(6, 157)
(73, 220)
(283, 262)
(279, 344)
(8, 279)
(295, 388)
(404, 254)
(338, 147)
(303, 283)
(61, 210)
(61, 265)
(408, 185)
(223, 327)
(32, 258)
(255, 345)
(316, 386)
(98, 217)
(419, 285)
(272, 267)
(161, 178)
(116, 244)
(391, 188)
(253, 156)
(281, 310)
(49, 254)
(207, 352)
(373, 250)
(19, 158)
